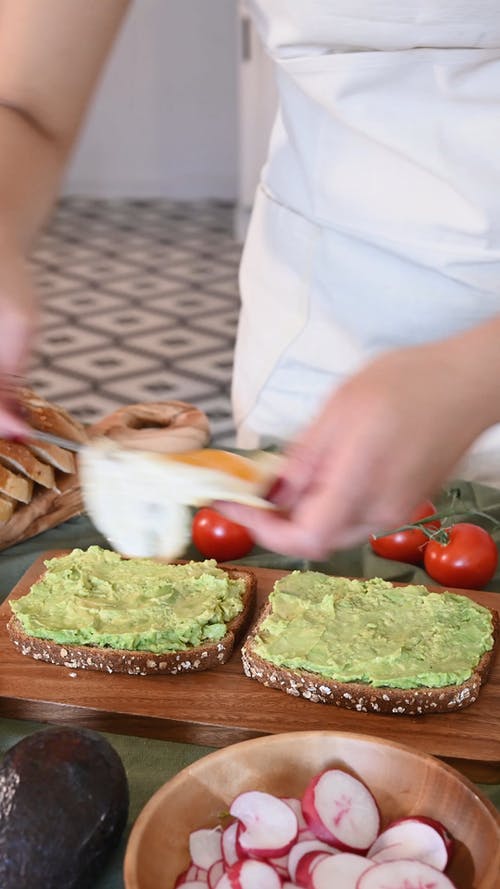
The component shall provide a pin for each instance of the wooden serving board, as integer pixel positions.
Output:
(222, 706)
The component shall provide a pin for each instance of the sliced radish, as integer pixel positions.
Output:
(193, 884)
(305, 848)
(229, 850)
(412, 839)
(251, 874)
(404, 875)
(268, 826)
(205, 847)
(306, 866)
(280, 864)
(343, 870)
(187, 876)
(441, 829)
(215, 873)
(340, 810)
(296, 806)
(306, 834)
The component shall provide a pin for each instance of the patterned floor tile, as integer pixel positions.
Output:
(139, 302)
(190, 304)
(160, 384)
(65, 339)
(171, 344)
(110, 363)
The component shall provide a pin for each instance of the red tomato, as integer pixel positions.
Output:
(219, 538)
(467, 559)
(406, 546)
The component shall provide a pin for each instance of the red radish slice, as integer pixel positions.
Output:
(268, 827)
(280, 864)
(193, 884)
(412, 839)
(441, 829)
(305, 848)
(306, 866)
(306, 834)
(229, 851)
(342, 870)
(340, 810)
(187, 876)
(205, 847)
(252, 875)
(404, 875)
(296, 806)
(215, 873)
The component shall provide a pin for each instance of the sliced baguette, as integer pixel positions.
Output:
(15, 486)
(362, 696)
(41, 414)
(110, 660)
(19, 458)
(56, 457)
(7, 507)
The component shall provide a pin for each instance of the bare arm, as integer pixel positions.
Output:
(51, 55)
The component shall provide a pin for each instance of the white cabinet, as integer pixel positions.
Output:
(256, 111)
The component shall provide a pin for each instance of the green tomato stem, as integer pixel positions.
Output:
(444, 515)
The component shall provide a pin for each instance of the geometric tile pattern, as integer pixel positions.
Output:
(139, 302)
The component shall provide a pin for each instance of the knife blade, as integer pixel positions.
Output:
(49, 438)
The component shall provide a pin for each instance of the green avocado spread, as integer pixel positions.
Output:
(373, 632)
(95, 597)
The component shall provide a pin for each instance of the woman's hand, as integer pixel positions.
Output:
(17, 325)
(386, 439)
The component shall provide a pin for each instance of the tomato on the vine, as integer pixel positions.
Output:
(219, 538)
(467, 557)
(409, 545)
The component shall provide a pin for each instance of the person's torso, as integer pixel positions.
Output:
(389, 120)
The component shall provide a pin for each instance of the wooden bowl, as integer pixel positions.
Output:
(403, 781)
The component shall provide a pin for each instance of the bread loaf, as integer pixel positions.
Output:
(19, 458)
(6, 509)
(39, 485)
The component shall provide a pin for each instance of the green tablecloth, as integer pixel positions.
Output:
(150, 763)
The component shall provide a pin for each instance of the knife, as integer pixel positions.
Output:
(49, 438)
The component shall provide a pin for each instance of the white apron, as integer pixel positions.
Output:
(377, 220)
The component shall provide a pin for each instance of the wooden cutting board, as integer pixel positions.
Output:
(222, 706)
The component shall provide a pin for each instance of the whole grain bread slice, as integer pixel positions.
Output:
(112, 660)
(364, 697)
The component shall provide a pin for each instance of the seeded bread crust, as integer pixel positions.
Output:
(141, 663)
(361, 696)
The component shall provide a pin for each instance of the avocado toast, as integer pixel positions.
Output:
(95, 610)
(369, 646)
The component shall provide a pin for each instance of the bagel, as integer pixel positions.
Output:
(163, 426)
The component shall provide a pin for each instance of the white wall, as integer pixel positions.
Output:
(165, 120)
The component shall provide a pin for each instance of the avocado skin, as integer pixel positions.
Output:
(63, 807)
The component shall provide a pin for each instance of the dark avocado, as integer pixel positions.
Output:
(63, 807)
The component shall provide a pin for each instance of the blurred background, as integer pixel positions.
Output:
(138, 267)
